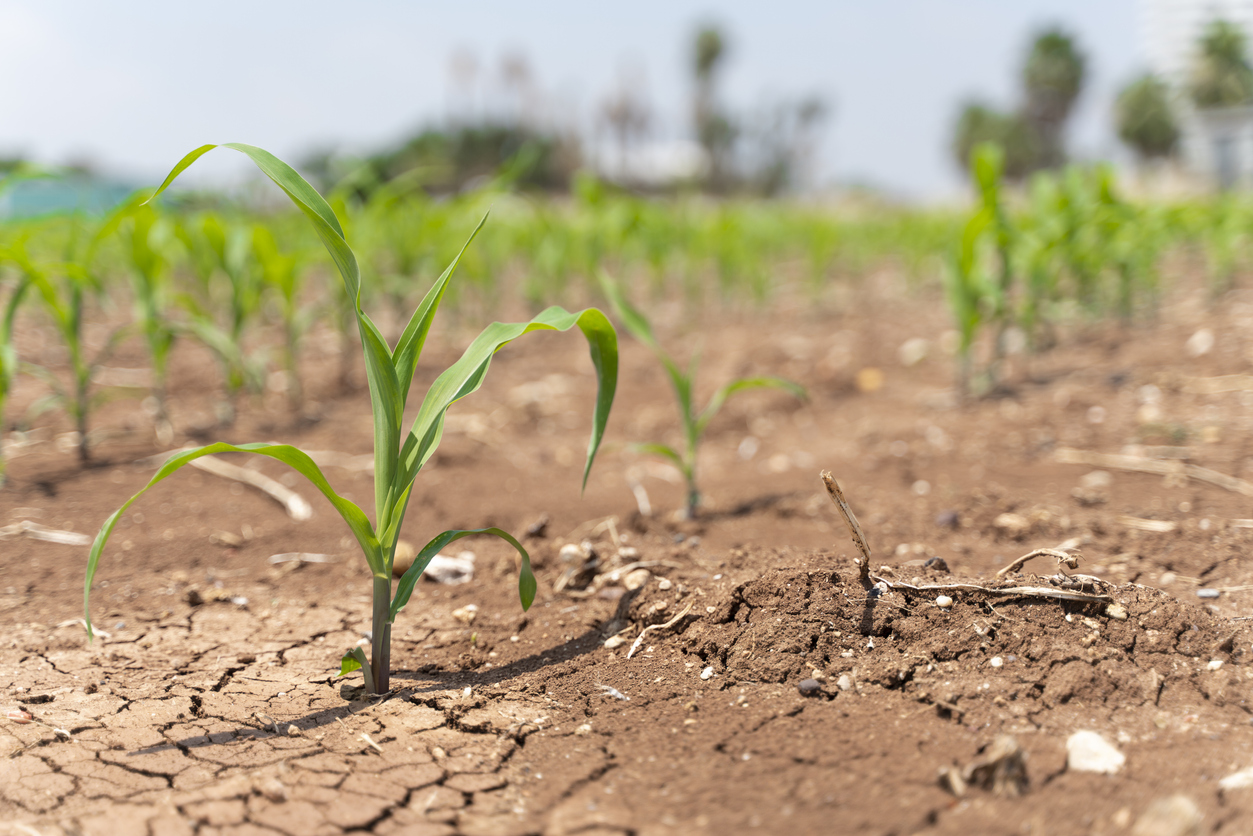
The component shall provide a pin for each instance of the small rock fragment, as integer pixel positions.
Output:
(707, 673)
(1214, 664)
(1238, 780)
(1207, 592)
(466, 614)
(272, 789)
(947, 519)
(943, 602)
(818, 675)
(1117, 612)
(996, 661)
(614, 641)
(1087, 751)
(584, 730)
(194, 598)
(809, 687)
(636, 578)
(845, 682)
(1176, 815)
(1012, 525)
(664, 584)
(292, 731)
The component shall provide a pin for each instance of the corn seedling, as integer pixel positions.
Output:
(397, 458)
(693, 423)
(8, 355)
(220, 313)
(64, 288)
(146, 239)
(281, 272)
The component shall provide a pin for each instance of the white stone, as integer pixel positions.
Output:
(845, 682)
(996, 661)
(1238, 780)
(707, 673)
(1087, 751)
(943, 602)
(1214, 664)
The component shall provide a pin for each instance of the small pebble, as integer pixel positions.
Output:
(1176, 815)
(818, 675)
(707, 673)
(292, 731)
(664, 584)
(583, 730)
(1087, 751)
(996, 661)
(1214, 664)
(844, 683)
(943, 602)
(809, 687)
(1117, 612)
(947, 519)
(1207, 592)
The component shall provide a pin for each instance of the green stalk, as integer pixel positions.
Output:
(381, 634)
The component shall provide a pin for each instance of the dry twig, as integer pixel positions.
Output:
(1071, 561)
(854, 528)
(640, 638)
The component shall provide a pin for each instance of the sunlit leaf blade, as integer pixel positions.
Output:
(526, 578)
(634, 321)
(743, 384)
(662, 450)
(354, 516)
(356, 660)
(409, 348)
(466, 375)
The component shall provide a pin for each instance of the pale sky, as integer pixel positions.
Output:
(132, 85)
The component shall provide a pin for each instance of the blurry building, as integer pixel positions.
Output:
(1217, 143)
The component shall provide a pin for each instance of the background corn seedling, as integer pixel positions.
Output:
(693, 423)
(398, 457)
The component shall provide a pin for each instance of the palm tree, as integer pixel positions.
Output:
(714, 129)
(1145, 119)
(1052, 80)
(1222, 76)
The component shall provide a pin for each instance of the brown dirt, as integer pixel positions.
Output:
(226, 716)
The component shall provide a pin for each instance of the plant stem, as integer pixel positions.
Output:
(380, 637)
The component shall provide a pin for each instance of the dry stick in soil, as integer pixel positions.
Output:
(868, 580)
(398, 457)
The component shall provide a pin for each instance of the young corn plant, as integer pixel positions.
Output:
(398, 457)
(145, 243)
(8, 355)
(282, 273)
(220, 313)
(694, 423)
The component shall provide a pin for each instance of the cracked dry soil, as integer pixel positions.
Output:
(225, 716)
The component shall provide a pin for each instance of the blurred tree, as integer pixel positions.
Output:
(1052, 79)
(786, 139)
(714, 129)
(1222, 76)
(628, 115)
(1145, 119)
(979, 124)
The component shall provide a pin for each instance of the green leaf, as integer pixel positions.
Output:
(662, 450)
(353, 660)
(297, 459)
(466, 375)
(356, 660)
(634, 321)
(526, 578)
(741, 385)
